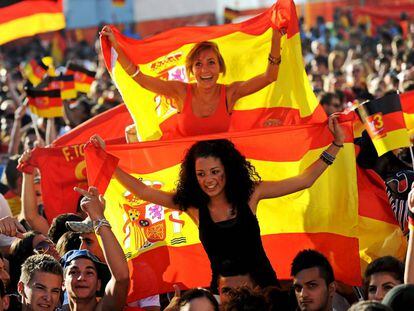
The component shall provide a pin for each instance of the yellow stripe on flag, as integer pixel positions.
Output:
(52, 112)
(31, 25)
(378, 238)
(393, 140)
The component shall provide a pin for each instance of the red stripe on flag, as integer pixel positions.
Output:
(156, 271)
(168, 41)
(407, 102)
(294, 146)
(372, 199)
(27, 8)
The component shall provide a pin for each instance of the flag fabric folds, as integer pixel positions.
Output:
(384, 121)
(289, 99)
(62, 166)
(45, 103)
(83, 77)
(35, 70)
(162, 244)
(23, 18)
(407, 105)
(66, 85)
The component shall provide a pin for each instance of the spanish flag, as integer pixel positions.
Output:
(35, 70)
(245, 48)
(162, 245)
(46, 104)
(66, 85)
(384, 121)
(83, 77)
(24, 18)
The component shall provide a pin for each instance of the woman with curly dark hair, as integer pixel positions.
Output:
(220, 190)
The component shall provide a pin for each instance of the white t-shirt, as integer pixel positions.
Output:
(4, 212)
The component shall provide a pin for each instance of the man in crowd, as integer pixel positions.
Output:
(313, 281)
(84, 272)
(40, 283)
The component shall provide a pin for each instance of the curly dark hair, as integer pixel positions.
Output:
(241, 176)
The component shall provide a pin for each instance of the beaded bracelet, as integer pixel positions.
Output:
(327, 158)
(97, 224)
(273, 60)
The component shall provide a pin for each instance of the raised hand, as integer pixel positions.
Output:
(25, 157)
(336, 129)
(109, 34)
(92, 202)
(97, 141)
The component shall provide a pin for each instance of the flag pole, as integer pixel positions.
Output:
(412, 155)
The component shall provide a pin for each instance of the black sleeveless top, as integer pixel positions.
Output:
(236, 244)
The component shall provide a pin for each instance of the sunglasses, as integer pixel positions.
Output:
(43, 247)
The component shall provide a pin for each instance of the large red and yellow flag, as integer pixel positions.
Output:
(24, 18)
(245, 47)
(62, 166)
(162, 244)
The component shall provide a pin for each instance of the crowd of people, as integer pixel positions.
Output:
(62, 265)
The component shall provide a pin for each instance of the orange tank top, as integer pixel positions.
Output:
(191, 125)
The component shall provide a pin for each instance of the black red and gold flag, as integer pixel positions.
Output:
(118, 3)
(384, 121)
(24, 18)
(45, 103)
(83, 77)
(35, 70)
(66, 85)
(407, 105)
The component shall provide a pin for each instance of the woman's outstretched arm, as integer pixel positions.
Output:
(274, 189)
(240, 89)
(175, 89)
(136, 186)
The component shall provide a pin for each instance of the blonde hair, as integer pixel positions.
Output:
(197, 49)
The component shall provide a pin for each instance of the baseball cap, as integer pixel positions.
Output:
(85, 226)
(70, 256)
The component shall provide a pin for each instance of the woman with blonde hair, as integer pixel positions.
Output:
(205, 106)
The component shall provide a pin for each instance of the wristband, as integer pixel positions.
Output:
(135, 73)
(337, 145)
(97, 224)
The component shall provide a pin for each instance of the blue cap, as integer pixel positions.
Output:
(101, 267)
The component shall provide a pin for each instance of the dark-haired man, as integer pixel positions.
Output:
(313, 281)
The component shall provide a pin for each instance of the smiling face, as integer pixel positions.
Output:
(311, 290)
(81, 279)
(210, 175)
(42, 293)
(379, 284)
(206, 68)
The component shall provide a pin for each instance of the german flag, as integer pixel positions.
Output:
(24, 18)
(46, 104)
(384, 121)
(66, 85)
(35, 70)
(289, 99)
(118, 3)
(407, 105)
(83, 77)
